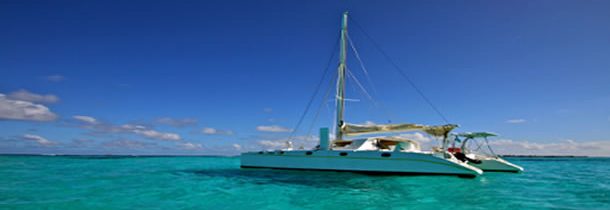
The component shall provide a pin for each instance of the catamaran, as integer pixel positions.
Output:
(480, 155)
(383, 154)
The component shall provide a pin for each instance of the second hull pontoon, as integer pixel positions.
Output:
(486, 161)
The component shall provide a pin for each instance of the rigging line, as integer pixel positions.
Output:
(489, 147)
(368, 78)
(400, 71)
(335, 118)
(366, 72)
(366, 93)
(333, 112)
(326, 96)
(479, 144)
(311, 99)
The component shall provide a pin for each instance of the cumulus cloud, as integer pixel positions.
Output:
(417, 136)
(209, 130)
(190, 146)
(236, 147)
(368, 122)
(103, 128)
(125, 143)
(24, 95)
(516, 121)
(11, 109)
(272, 128)
(272, 144)
(150, 133)
(85, 119)
(177, 122)
(565, 147)
(38, 139)
(55, 78)
(214, 131)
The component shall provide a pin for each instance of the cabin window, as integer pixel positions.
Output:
(281, 152)
(261, 152)
(343, 154)
(385, 154)
(309, 153)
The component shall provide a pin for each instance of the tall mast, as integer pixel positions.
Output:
(341, 78)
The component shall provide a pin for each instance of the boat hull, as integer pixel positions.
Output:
(497, 165)
(359, 161)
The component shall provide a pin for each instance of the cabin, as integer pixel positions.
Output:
(393, 143)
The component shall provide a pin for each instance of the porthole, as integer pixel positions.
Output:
(343, 154)
(281, 152)
(385, 154)
(308, 153)
(261, 152)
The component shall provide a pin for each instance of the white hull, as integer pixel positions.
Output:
(496, 164)
(358, 161)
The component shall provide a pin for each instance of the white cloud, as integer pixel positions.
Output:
(85, 119)
(104, 128)
(158, 135)
(368, 122)
(55, 78)
(177, 122)
(38, 139)
(268, 144)
(150, 133)
(24, 110)
(190, 146)
(516, 121)
(565, 147)
(124, 143)
(272, 128)
(209, 130)
(417, 136)
(214, 131)
(236, 147)
(24, 95)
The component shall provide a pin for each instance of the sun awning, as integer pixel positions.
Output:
(354, 129)
(473, 135)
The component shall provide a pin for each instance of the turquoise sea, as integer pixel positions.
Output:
(97, 182)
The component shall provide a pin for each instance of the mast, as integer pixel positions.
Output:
(341, 78)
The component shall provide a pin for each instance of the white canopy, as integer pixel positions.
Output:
(476, 134)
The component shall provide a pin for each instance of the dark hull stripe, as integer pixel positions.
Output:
(368, 172)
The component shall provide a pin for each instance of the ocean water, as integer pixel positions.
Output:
(64, 182)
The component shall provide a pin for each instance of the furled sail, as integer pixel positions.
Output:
(354, 129)
(439, 130)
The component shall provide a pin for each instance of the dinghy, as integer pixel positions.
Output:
(479, 154)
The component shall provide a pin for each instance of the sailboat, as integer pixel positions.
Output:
(382, 154)
(477, 157)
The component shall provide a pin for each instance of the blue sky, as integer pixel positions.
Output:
(221, 77)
